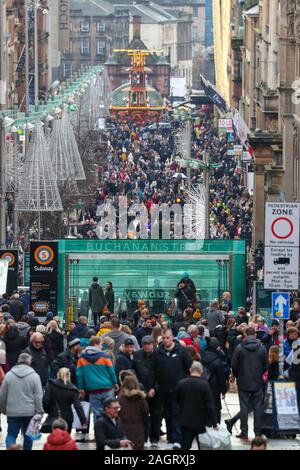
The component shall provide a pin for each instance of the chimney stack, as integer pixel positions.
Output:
(137, 21)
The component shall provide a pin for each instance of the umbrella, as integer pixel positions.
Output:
(179, 174)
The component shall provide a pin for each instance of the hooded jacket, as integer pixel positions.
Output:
(170, 366)
(249, 363)
(118, 337)
(95, 371)
(96, 298)
(215, 318)
(60, 440)
(59, 398)
(21, 392)
(23, 328)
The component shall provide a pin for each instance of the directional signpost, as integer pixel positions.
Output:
(280, 305)
(281, 269)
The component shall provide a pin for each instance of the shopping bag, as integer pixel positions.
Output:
(33, 429)
(215, 439)
(86, 409)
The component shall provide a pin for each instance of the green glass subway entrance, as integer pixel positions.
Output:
(149, 270)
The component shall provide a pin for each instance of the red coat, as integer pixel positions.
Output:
(60, 440)
(190, 342)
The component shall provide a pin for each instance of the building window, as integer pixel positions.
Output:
(195, 33)
(85, 47)
(67, 70)
(84, 27)
(195, 12)
(100, 27)
(100, 47)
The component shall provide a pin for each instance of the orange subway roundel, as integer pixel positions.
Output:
(44, 255)
(10, 258)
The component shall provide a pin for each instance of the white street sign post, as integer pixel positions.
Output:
(281, 270)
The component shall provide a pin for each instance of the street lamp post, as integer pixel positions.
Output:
(2, 130)
(207, 192)
(36, 58)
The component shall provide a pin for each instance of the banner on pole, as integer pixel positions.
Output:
(3, 275)
(212, 93)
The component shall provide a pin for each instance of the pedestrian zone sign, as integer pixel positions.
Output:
(281, 305)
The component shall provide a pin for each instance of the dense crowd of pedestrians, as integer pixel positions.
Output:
(141, 165)
(131, 378)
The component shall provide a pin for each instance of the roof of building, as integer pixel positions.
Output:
(119, 95)
(150, 12)
(93, 7)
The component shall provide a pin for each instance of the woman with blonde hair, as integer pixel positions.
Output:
(56, 338)
(157, 335)
(60, 395)
(134, 411)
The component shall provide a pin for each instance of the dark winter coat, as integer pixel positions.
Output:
(179, 324)
(196, 404)
(57, 343)
(215, 370)
(215, 373)
(273, 372)
(170, 366)
(134, 411)
(249, 363)
(58, 400)
(79, 332)
(65, 359)
(241, 319)
(184, 296)
(14, 345)
(47, 345)
(269, 340)
(18, 309)
(96, 298)
(39, 363)
(123, 362)
(142, 365)
(110, 299)
(107, 433)
(141, 332)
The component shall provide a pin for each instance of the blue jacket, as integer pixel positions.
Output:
(95, 370)
(287, 347)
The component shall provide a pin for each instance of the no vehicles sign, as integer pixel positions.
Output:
(282, 246)
(282, 224)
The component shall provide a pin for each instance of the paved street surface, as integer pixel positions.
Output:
(237, 444)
